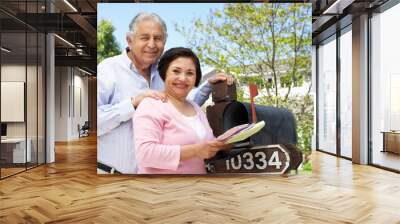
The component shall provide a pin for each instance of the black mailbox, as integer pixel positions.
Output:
(272, 150)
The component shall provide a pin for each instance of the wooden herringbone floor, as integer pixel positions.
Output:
(69, 191)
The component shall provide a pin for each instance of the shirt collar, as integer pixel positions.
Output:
(125, 59)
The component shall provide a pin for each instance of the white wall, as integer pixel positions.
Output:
(80, 108)
(62, 81)
(33, 126)
(13, 73)
(71, 94)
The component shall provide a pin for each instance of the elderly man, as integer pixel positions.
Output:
(123, 81)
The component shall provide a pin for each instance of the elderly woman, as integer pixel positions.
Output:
(174, 137)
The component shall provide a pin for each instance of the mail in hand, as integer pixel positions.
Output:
(241, 132)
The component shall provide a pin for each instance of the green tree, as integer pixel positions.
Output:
(106, 43)
(267, 44)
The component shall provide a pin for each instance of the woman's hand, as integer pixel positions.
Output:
(208, 149)
(203, 150)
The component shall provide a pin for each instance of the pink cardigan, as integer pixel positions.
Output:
(159, 132)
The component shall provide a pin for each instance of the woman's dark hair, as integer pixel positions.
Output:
(175, 53)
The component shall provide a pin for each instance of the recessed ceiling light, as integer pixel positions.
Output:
(86, 72)
(5, 50)
(70, 5)
(338, 6)
(64, 40)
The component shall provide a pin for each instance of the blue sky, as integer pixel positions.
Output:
(120, 14)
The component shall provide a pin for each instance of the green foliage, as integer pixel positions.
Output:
(257, 43)
(307, 166)
(302, 108)
(266, 44)
(106, 43)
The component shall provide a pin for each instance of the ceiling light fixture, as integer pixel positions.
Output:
(5, 50)
(86, 72)
(337, 7)
(79, 51)
(70, 5)
(64, 40)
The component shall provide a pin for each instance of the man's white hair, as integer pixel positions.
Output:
(146, 16)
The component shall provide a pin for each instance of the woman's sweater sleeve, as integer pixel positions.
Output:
(148, 124)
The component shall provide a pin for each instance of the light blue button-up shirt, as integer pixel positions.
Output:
(118, 82)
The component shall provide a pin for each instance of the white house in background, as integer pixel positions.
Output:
(295, 91)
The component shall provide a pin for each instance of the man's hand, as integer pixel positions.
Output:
(221, 77)
(148, 93)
